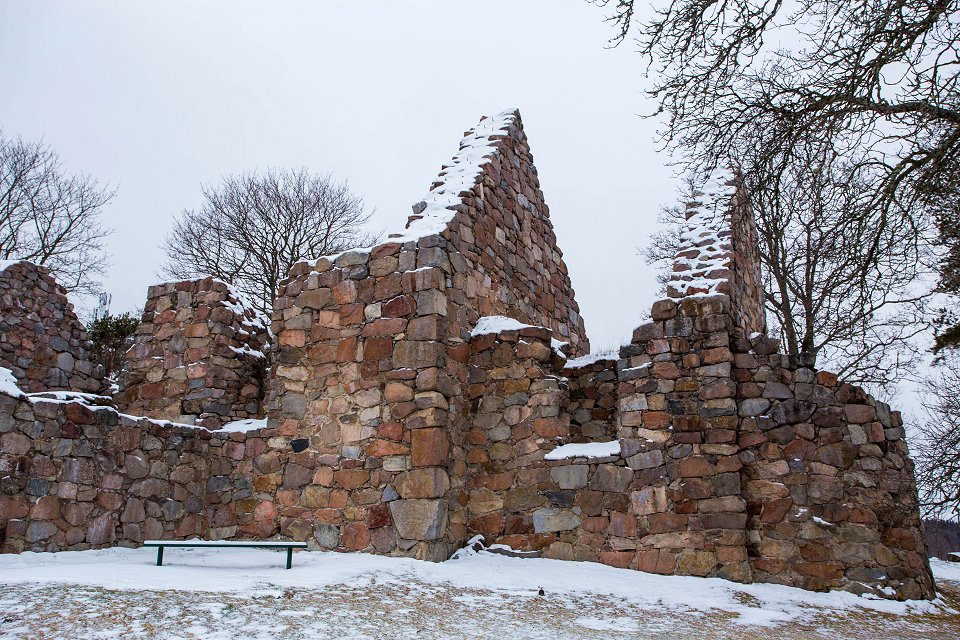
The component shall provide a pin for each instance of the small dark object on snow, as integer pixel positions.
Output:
(540, 593)
(299, 444)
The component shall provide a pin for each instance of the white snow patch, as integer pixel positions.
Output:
(943, 570)
(5, 264)
(242, 426)
(246, 350)
(254, 572)
(8, 384)
(438, 206)
(496, 324)
(589, 359)
(461, 175)
(244, 308)
(78, 396)
(707, 233)
(585, 450)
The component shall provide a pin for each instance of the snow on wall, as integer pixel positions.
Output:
(438, 207)
(435, 211)
(705, 258)
(719, 251)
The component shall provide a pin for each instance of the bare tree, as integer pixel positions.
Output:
(841, 286)
(936, 451)
(877, 79)
(252, 228)
(49, 217)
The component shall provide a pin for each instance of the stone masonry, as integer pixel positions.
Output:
(437, 386)
(197, 357)
(373, 345)
(41, 340)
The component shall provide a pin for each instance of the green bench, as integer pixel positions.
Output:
(254, 544)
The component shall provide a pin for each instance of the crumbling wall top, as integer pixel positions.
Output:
(718, 251)
(198, 356)
(41, 339)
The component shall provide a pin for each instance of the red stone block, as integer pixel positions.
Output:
(695, 468)
(339, 499)
(495, 481)
(345, 292)
(490, 524)
(430, 447)
(656, 561)
(391, 430)
(379, 448)
(346, 350)
(12, 507)
(384, 250)
(774, 511)
(384, 327)
(377, 348)
(656, 419)
(349, 315)
(550, 427)
(378, 516)
(351, 478)
(666, 522)
(623, 525)
(621, 559)
(824, 570)
(265, 510)
(901, 538)
(356, 536)
(399, 307)
(826, 378)
(459, 353)
(666, 370)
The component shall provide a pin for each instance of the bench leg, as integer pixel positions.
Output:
(159, 556)
(289, 556)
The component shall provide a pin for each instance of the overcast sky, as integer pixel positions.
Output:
(159, 98)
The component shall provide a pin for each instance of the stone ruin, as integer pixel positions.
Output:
(198, 356)
(41, 340)
(438, 386)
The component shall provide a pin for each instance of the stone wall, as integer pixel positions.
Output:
(828, 483)
(412, 403)
(592, 381)
(765, 472)
(679, 413)
(373, 344)
(518, 414)
(719, 254)
(77, 477)
(41, 340)
(198, 356)
(505, 253)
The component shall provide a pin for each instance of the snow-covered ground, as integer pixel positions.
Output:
(246, 593)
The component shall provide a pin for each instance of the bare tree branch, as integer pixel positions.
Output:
(253, 228)
(841, 288)
(49, 217)
(937, 449)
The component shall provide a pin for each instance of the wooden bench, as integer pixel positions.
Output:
(255, 544)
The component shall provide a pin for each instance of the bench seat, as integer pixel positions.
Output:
(249, 544)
